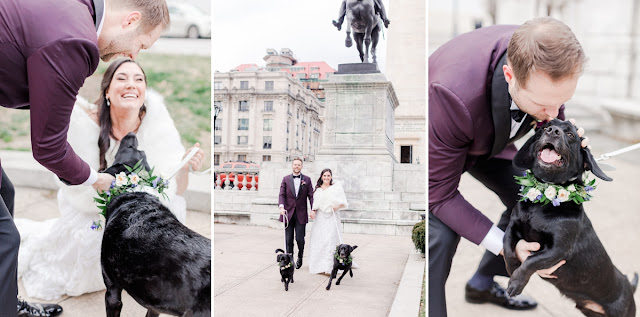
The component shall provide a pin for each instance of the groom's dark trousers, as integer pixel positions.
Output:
(9, 244)
(299, 228)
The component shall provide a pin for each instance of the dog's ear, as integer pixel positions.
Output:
(525, 157)
(591, 165)
(353, 247)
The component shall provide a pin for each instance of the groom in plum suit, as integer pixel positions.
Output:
(295, 189)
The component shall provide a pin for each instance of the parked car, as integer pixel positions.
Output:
(188, 21)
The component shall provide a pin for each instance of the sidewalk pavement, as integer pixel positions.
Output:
(614, 213)
(41, 204)
(247, 280)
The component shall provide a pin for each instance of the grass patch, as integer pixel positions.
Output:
(184, 82)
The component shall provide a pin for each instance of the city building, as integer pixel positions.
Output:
(266, 114)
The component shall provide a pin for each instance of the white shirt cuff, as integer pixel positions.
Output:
(93, 177)
(493, 240)
(281, 206)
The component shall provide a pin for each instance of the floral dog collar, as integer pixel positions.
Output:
(544, 193)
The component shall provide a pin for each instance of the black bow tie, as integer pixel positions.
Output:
(296, 176)
(517, 115)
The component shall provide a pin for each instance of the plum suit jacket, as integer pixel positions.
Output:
(469, 119)
(47, 49)
(296, 204)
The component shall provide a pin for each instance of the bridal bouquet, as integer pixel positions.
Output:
(136, 180)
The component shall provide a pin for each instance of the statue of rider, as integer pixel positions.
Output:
(378, 7)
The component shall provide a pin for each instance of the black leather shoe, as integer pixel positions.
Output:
(299, 263)
(26, 309)
(497, 295)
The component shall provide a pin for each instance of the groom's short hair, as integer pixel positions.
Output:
(297, 158)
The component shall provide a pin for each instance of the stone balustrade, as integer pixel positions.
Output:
(237, 181)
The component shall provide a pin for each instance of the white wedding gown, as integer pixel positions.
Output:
(325, 235)
(62, 256)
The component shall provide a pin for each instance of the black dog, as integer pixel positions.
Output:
(163, 265)
(341, 261)
(286, 266)
(589, 278)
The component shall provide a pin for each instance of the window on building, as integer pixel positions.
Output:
(244, 84)
(315, 76)
(218, 124)
(298, 115)
(297, 147)
(268, 106)
(268, 85)
(243, 140)
(216, 160)
(266, 142)
(267, 124)
(217, 139)
(286, 145)
(406, 154)
(297, 129)
(217, 85)
(242, 157)
(287, 126)
(243, 124)
(301, 75)
(266, 158)
(289, 108)
(243, 106)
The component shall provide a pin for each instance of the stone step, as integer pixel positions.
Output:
(24, 171)
(232, 217)
(364, 226)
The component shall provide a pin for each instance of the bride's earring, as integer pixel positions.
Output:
(108, 102)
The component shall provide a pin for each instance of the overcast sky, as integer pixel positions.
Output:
(243, 30)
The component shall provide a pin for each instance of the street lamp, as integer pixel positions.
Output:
(216, 111)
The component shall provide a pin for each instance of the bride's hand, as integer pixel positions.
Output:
(312, 214)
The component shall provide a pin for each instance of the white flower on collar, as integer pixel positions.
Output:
(550, 192)
(571, 188)
(533, 194)
(563, 195)
(121, 179)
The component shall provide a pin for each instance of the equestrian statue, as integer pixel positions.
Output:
(365, 17)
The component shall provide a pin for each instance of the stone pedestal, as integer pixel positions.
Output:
(359, 117)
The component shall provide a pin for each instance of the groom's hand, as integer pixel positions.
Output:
(104, 182)
(282, 211)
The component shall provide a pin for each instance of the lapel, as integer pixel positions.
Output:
(500, 104)
(98, 11)
(293, 186)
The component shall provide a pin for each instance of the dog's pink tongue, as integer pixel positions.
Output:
(549, 155)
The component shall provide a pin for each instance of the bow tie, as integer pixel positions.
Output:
(517, 115)
(296, 176)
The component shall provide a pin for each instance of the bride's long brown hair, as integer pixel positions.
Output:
(319, 182)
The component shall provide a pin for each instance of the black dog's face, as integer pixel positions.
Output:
(554, 154)
(128, 154)
(284, 259)
(344, 250)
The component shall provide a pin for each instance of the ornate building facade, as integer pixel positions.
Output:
(265, 116)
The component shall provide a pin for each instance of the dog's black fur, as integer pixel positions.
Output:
(565, 232)
(163, 265)
(344, 251)
(284, 260)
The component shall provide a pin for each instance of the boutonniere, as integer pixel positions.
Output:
(537, 192)
(302, 183)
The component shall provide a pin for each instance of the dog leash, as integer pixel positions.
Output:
(285, 221)
(609, 155)
(334, 216)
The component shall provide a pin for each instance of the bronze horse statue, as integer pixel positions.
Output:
(363, 16)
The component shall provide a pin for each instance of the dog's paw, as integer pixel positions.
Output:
(328, 287)
(338, 283)
(514, 288)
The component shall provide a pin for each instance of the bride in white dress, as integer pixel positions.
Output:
(62, 256)
(328, 199)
